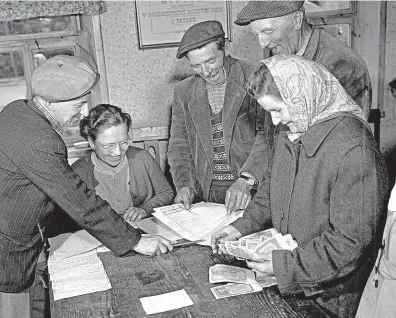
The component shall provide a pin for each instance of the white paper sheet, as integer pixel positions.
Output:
(70, 244)
(200, 222)
(154, 226)
(166, 302)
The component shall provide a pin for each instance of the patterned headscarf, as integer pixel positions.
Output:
(309, 90)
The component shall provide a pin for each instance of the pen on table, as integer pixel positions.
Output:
(187, 243)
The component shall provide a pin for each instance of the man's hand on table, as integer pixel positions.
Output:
(153, 245)
(227, 233)
(134, 214)
(185, 196)
(238, 196)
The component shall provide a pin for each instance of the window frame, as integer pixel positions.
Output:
(45, 35)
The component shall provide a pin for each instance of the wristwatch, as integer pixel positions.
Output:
(250, 181)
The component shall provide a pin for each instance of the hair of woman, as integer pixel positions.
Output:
(262, 83)
(103, 116)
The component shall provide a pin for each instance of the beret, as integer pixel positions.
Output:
(63, 78)
(257, 10)
(199, 35)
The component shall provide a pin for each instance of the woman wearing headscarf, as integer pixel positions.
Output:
(326, 186)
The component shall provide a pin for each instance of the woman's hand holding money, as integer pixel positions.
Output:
(227, 233)
(266, 266)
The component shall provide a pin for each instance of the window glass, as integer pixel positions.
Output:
(37, 25)
(40, 56)
(323, 6)
(340, 31)
(12, 77)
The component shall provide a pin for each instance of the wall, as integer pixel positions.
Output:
(142, 81)
(388, 124)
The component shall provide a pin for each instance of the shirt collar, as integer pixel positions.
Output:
(312, 44)
(54, 123)
(104, 168)
(304, 48)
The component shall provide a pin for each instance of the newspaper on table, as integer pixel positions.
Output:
(199, 222)
(258, 246)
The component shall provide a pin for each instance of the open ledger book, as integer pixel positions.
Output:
(198, 223)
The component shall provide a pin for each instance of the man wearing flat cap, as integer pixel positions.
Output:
(282, 27)
(35, 176)
(218, 141)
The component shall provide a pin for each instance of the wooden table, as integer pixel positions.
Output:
(140, 276)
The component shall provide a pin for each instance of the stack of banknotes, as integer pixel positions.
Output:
(241, 281)
(258, 246)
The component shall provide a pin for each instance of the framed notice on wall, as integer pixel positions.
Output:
(163, 23)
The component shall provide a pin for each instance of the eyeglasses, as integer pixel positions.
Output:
(124, 145)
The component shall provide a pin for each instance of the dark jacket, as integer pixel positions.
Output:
(245, 125)
(328, 192)
(344, 63)
(148, 185)
(35, 174)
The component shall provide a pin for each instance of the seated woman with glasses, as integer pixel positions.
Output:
(127, 177)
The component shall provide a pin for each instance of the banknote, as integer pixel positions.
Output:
(259, 246)
(234, 289)
(238, 251)
(263, 235)
(221, 273)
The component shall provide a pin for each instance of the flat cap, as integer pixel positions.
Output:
(257, 10)
(63, 78)
(199, 35)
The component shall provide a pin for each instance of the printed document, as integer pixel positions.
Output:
(154, 226)
(77, 275)
(199, 222)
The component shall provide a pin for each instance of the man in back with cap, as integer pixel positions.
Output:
(282, 27)
(219, 135)
(35, 176)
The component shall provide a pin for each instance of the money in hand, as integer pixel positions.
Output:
(259, 246)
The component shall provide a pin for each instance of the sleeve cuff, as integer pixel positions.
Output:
(285, 279)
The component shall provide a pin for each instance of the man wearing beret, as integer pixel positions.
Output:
(218, 141)
(281, 27)
(35, 176)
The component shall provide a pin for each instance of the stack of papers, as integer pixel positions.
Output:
(74, 266)
(198, 223)
(242, 281)
(77, 275)
(153, 226)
